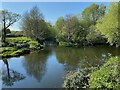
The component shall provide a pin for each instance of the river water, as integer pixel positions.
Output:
(48, 67)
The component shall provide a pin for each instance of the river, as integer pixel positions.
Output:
(48, 67)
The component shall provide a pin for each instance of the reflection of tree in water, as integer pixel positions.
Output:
(35, 64)
(10, 76)
(83, 57)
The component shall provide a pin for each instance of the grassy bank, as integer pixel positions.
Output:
(107, 76)
(17, 46)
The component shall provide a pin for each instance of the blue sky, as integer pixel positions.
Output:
(50, 10)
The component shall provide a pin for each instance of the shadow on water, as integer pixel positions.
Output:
(73, 58)
(10, 76)
(35, 64)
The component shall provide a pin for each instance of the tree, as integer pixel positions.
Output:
(71, 27)
(50, 33)
(34, 25)
(92, 13)
(90, 16)
(59, 29)
(66, 29)
(108, 26)
(7, 19)
(94, 36)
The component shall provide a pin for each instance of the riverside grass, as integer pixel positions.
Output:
(19, 46)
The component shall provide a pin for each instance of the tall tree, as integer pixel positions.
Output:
(109, 25)
(34, 25)
(90, 17)
(6, 20)
(92, 13)
(66, 28)
(59, 29)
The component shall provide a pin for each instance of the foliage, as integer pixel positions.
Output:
(34, 25)
(107, 76)
(18, 40)
(75, 80)
(93, 13)
(108, 26)
(90, 16)
(14, 53)
(6, 20)
(8, 49)
(19, 46)
(94, 37)
(15, 34)
(73, 30)
(34, 44)
(68, 30)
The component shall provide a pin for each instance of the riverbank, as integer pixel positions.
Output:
(17, 46)
(106, 76)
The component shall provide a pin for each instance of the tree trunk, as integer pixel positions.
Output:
(4, 34)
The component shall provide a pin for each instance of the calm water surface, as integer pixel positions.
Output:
(48, 68)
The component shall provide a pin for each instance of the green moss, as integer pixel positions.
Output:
(107, 76)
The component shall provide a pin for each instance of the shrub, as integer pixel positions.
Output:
(107, 76)
(18, 40)
(8, 49)
(75, 80)
(34, 44)
(19, 46)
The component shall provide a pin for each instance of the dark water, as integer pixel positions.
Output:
(47, 68)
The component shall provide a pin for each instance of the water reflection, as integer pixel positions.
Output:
(84, 57)
(10, 76)
(48, 67)
(35, 64)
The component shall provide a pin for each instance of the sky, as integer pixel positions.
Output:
(51, 10)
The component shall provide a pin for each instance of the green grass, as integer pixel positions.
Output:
(19, 46)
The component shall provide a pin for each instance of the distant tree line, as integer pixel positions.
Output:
(97, 25)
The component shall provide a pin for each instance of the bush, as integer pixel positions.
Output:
(108, 76)
(33, 44)
(8, 49)
(67, 44)
(18, 40)
(14, 52)
(75, 80)
(19, 46)
(24, 45)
